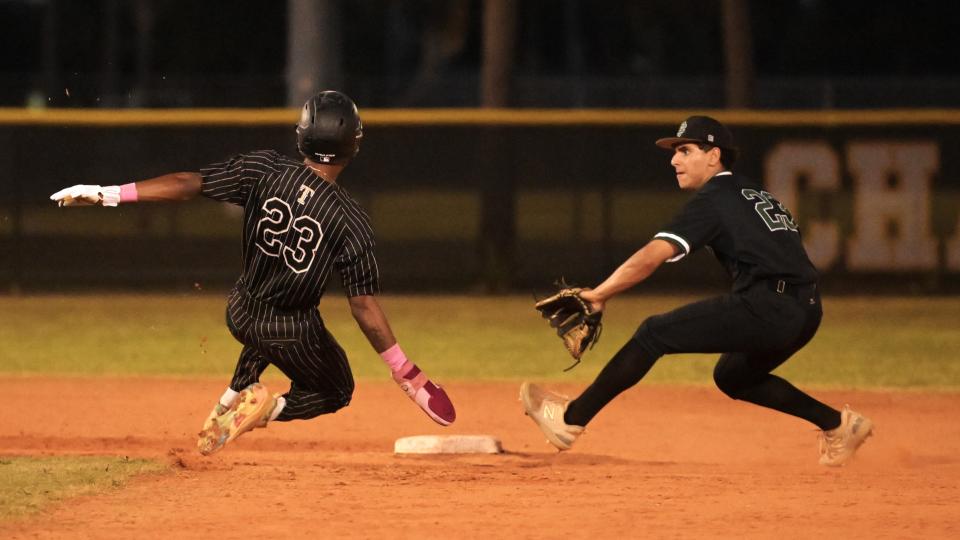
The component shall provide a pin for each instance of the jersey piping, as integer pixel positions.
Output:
(677, 241)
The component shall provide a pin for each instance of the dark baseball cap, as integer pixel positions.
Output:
(700, 129)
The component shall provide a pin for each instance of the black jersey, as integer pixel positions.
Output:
(748, 230)
(296, 228)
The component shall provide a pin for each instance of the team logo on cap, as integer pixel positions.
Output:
(683, 127)
(709, 138)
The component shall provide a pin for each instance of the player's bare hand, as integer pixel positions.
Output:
(596, 302)
(87, 195)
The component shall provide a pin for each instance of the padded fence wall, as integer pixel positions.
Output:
(486, 200)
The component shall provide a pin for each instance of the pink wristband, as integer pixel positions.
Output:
(128, 193)
(394, 357)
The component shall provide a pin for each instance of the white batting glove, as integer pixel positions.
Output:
(87, 195)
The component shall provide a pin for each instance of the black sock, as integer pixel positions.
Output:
(777, 394)
(624, 370)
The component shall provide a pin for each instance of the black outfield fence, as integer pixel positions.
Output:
(474, 200)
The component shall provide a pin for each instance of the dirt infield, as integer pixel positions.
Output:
(660, 462)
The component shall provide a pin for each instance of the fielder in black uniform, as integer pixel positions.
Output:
(298, 225)
(773, 310)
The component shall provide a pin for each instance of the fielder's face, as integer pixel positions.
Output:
(694, 166)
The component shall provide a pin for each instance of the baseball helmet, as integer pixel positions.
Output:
(329, 130)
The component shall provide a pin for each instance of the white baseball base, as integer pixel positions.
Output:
(448, 444)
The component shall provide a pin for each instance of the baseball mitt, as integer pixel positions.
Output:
(575, 321)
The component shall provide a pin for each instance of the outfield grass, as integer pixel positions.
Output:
(906, 342)
(28, 484)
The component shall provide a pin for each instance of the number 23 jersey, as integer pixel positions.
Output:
(296, 228)
(749, 231)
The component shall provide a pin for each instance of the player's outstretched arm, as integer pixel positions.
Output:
(372, 322)
(180, 186)
(428, 396)
(637, 268)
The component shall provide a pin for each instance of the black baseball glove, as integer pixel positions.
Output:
(576, 322)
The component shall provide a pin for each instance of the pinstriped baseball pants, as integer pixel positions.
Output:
(301, 347)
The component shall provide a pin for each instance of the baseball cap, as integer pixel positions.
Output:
(700, 129)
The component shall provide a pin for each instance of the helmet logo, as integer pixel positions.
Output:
(683, 127)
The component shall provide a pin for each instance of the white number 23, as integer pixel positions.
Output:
(298, 249)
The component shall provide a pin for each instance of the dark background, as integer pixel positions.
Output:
(428, 53)
(809, 55)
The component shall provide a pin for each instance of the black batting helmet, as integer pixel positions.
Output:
(329, 130)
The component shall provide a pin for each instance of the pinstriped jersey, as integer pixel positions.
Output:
(748, 230)
(296, 229)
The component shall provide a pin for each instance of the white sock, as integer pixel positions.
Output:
(227, 398)
(281, 402)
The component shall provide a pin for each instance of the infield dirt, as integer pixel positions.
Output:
(661, 462)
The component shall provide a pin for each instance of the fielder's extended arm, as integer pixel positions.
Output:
(180, 186)
(637, 268)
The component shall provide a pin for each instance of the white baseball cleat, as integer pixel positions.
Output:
(546, 409)
(838, 445)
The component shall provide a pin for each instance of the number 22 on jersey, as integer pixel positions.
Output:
(274, 236)
(774, 214)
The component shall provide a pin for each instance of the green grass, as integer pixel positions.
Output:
(28, 484)
(906, 342)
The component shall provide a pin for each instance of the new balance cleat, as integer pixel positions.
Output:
(546, 409)
(838, 445)
(251, 409)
